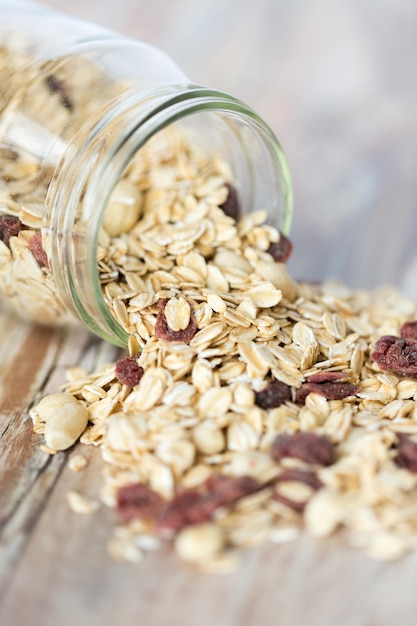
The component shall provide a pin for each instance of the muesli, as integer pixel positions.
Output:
(250, 406)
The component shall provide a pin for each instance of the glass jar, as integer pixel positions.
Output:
(77, 105)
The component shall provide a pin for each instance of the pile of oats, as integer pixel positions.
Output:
(250, 406)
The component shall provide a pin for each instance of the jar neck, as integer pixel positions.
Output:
(95, 160)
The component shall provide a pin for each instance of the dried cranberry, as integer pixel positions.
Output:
(231, 205)
(409, 330)
(330, 390)
(36, 248)
(228, 489)
(273, 395)
(10, 226)
(187, 507)
(128, 371)
(305, 446)
(137, 501)
(407, 453)
(163, 331)
(396, 354)
(294, 475)
(281, 250)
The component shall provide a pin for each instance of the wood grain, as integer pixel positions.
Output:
(337, 83)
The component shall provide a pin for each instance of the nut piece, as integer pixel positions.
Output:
(124, 209)
(65, 425)
(199, 543)
(49, 404)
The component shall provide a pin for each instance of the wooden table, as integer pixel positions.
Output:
(338, 84)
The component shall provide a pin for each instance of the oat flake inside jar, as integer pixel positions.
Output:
(98, 135)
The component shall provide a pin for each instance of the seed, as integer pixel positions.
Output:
(65, 425)
(197, 544)
(124, 209)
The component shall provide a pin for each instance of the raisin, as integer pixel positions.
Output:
(10, 226)
(397, 355)
(163, 331)
(330, 390)
(305, 446)
(228, 489)
(409, 330)
(406, 456)
(55, 85)
(137, 501)
(273, 395)
(294, 475)
(128, 372)
(281, 250)
(231, 205)
(36, 248)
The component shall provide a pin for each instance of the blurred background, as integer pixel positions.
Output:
(337, 82)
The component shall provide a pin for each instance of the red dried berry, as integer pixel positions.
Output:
(409, 330)
(187, 507)
(305, 446)
(228, 489)
(36, 248)
(128, 372)
(163, 331)
(10, 226)
(406, 453)
(231, 205)
(294, 475)
(281, 250)
(330, 390)
(273, 395)
(137, 501)
(397, 355)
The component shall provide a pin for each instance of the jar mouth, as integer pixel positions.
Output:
(257, 162)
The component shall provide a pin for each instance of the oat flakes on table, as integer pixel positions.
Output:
(194, 446)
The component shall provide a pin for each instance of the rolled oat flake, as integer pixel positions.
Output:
(110, 158)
